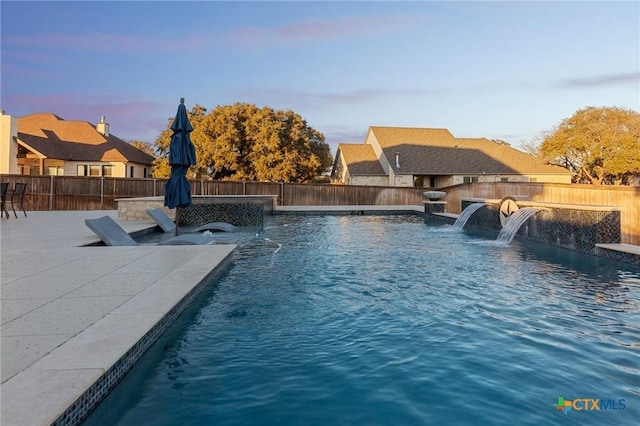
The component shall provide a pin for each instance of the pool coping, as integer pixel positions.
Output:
(354, 210)
(95, 393)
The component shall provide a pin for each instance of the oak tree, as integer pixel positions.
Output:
(143, 146)
(600, 145)
(245, 142)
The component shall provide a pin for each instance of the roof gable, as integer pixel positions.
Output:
(388, 137)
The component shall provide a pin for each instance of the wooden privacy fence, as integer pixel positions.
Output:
(100, 193)
(85, 193)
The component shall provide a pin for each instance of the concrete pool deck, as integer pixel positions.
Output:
(69, 313)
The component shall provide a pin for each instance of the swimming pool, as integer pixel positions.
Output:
(383, 320)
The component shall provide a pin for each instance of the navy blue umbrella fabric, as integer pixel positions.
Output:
(182, 155)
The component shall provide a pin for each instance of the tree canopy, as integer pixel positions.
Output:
(600, 145)
(143, 146)
(245, 142)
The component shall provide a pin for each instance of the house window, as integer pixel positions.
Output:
(94, 170)
(470, 179)
(144, 172)
(131, 171)
(107, 171)
(533, 179)
(504, 179)
(83, 170)
(54, 171)
(34, 170)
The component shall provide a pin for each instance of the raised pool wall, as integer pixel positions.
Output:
(569, 226)
(245, 210)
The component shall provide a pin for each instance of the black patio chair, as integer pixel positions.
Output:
(17, 197)
(4, 186)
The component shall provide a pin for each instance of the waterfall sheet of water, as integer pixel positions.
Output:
(466, 214)
(508, 232)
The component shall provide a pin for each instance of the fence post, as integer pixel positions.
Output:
(101, 192)
(154, 187)
(282, 193)
(51, 184)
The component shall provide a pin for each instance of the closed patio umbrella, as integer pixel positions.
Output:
(182, 155)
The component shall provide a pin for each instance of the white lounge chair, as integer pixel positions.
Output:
(167, 225)
(112, 234)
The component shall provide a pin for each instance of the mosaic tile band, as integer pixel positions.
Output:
(238, 214)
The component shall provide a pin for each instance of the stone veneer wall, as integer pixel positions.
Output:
(136, 208)
(562, 226)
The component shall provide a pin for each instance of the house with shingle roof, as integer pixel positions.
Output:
(45, 144)
(434, 158)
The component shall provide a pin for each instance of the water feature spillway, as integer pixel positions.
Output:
(466, 214)
(515, 222)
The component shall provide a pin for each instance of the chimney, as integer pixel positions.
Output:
(103, 127)
(8, 144)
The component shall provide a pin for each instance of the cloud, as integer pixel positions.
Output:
(20, 71)
(596, 82)
(323, 29)
(127, 119)
(365, 95)
(300, 31)
(334, 135)
(130, 118)
(101, 42)
(343, 134)
(291, 97)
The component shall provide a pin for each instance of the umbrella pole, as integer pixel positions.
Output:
(177, 211)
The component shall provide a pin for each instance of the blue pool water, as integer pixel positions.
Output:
(383, 320)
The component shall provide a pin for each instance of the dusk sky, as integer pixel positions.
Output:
(500, 70)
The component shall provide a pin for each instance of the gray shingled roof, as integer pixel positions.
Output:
(56, 138)
(437, 152)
